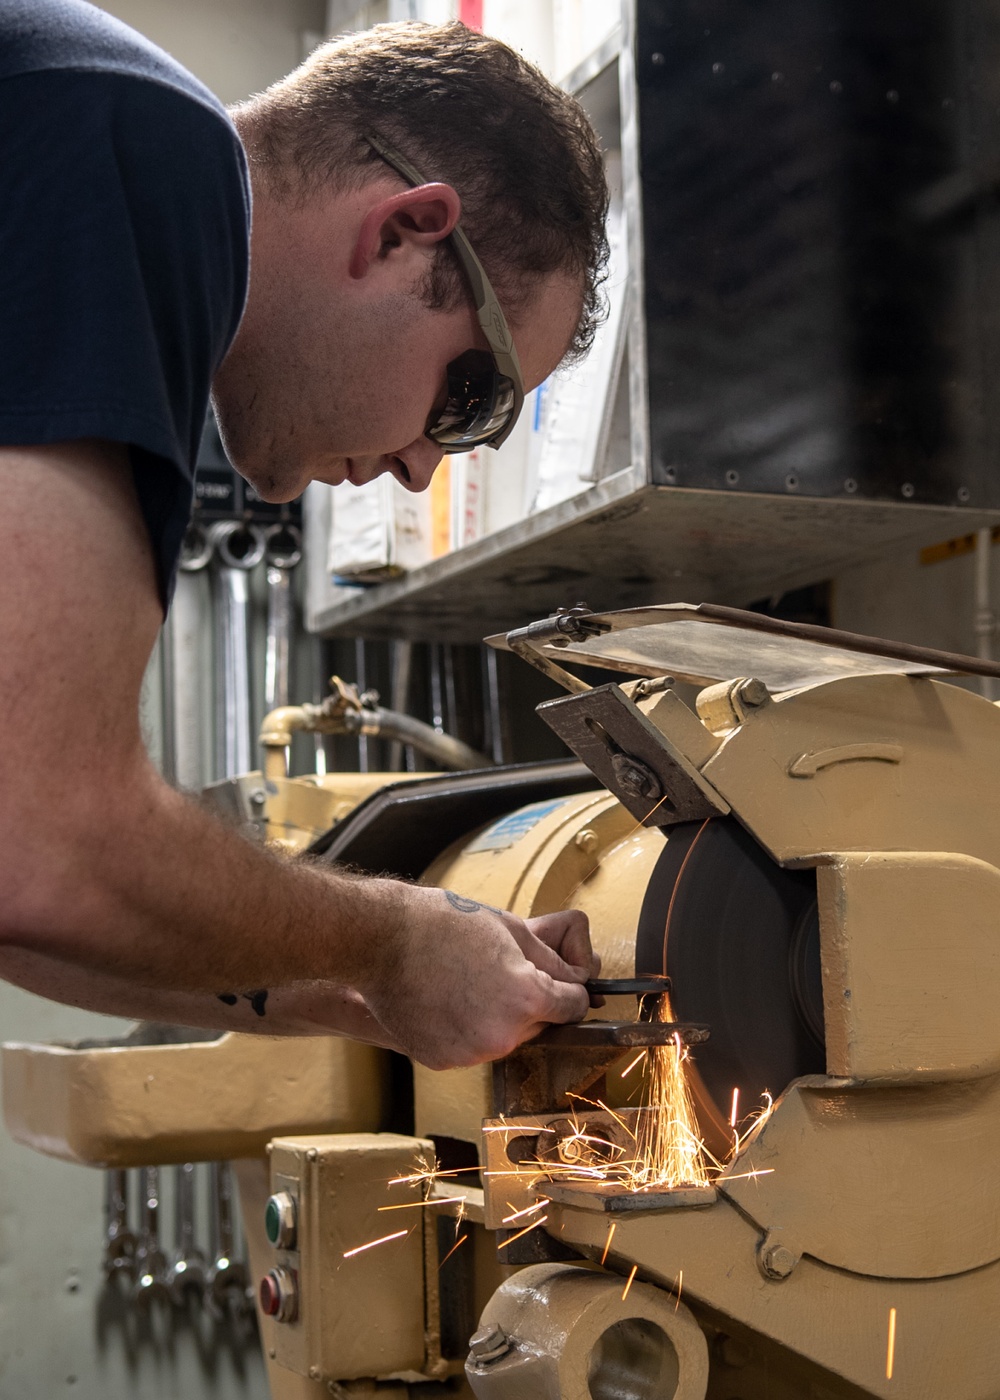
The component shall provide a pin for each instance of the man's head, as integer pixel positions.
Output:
(358, 303)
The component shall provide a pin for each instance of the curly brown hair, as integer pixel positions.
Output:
(463, 108)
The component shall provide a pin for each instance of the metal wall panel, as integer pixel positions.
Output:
(822, 246)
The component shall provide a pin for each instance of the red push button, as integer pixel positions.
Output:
(270, 1295)
(279, 1294)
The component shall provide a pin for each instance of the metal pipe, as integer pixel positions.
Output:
(279, 726)
(493, 711)
(985, 621)
(361, 672)
(402, 665)
(444, 749)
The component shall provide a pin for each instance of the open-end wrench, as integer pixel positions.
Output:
(227, 1277)
(150, 1264)
(186, 1275)
(238, 549)
(282, 553)
(119, 1241)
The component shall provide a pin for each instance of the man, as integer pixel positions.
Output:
(370, 342)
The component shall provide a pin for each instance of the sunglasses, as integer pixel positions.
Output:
(485, 389)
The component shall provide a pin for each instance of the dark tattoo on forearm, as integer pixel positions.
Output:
(467, 906)
(256, 999)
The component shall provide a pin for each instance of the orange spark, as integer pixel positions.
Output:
(734, 1111)
(430, 1174)
(680, 1285)
(526, 1231)
(519, 1214)
(422, 1205)
(668, 1149)
(607, 1243)
(451, 1252)
(890, 1354)
(349, 1254)
(629, 1283)
(630, 1067)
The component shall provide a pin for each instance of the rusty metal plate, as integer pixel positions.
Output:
(631, 758)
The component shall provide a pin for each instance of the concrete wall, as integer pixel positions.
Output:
(235, 47)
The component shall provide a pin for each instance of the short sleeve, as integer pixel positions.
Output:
(123, 273)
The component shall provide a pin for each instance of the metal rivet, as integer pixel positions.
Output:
(908, 489)
(658, 59)
(312, 1154)
(850, 486)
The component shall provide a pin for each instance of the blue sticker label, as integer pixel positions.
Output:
(509, 830)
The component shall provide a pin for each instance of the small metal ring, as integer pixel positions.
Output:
(227, 532)
(196, 550)
(283, 545)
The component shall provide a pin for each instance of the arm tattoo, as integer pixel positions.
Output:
(256, 999)
(467, 906)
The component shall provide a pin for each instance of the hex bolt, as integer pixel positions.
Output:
(776, 1261)
(634, 777)
(489, 1343)
(753, 693)
(586, 840)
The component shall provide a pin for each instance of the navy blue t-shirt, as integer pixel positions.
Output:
(124, 248)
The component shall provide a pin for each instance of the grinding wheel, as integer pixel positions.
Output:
(739, 938)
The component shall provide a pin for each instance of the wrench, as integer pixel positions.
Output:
(282, 552)
(150, 1263)
(238, 549)
(228, 1281)
(119, 1241)
(186, 1275)
(187, 762)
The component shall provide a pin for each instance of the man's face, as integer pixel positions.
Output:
(338, 365)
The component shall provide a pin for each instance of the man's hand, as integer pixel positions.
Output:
(459, 982)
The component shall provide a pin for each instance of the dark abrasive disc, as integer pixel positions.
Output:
(739, 938)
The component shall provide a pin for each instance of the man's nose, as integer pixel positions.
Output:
(420, 460)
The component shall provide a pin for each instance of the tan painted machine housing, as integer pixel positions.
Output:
(878, 1193)
(879, 1183)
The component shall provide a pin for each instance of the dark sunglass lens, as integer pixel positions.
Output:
(480, 402)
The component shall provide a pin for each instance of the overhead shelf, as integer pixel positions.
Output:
(624, 544)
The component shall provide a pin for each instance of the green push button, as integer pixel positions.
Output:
(272, 1220)
(279, 1220)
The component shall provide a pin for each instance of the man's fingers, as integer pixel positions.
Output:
(567, 933)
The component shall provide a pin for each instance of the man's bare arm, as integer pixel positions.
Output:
(307, 1008)
(105, 869)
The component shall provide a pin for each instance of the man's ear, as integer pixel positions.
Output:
(413, 219)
